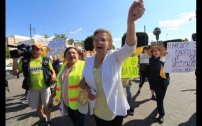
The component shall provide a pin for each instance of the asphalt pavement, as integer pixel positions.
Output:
(179, 104)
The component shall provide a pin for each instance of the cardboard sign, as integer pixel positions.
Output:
(181, 57)
(129, 68)
(57, 47)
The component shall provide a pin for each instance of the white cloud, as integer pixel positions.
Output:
(117, 39)
(76, 31)
(174, 24)
(152, 37)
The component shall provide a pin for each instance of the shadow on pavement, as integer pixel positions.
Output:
(58, 121)
(17, 106)
(21, 96)
(148, 121)
(190, 122)
(138, 103)
(24, 116)
(66, 121)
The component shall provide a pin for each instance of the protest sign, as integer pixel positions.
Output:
(129, 68)
(181, 57)
(57, 47)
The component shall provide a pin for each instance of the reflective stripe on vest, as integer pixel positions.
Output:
(74, 78)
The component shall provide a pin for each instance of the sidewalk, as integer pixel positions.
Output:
(179, 103)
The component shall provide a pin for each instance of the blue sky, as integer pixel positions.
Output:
(78, 19)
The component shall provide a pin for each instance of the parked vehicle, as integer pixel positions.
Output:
(9, 68)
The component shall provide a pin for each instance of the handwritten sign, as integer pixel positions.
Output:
(181, 57)
(129, 68)
(57, 47)
(144, 58)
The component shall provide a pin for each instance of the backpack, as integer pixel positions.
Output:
(26, 70)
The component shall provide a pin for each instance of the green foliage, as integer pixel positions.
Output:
(123, 39)
(172, 40)
(7, 53)
(157, 32)
(46, 36)
(70, 41)
(59, 36)
(142, 39)
(88, 43)
(113, 47)
(194, 36)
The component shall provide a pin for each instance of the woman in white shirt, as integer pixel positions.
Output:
(101, 75)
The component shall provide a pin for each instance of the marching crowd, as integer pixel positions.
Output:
(92, 85)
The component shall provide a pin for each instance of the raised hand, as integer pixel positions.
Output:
(136, 11)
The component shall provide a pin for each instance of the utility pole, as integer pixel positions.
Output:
(30, 31)
(144, 34)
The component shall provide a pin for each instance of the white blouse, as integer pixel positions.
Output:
(111, 79)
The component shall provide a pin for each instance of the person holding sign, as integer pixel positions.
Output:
(129, 67)
(144, 70)
(157, 77)
(56, 63)
(102, 73)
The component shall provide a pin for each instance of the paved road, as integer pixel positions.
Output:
(9, 77)
(180, 105)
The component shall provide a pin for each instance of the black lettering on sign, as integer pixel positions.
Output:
(133, 61)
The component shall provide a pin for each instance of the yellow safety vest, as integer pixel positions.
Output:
(74, 78)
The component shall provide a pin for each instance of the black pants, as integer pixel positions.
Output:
(77, 118)
(117, 121)
(160, 94)
(143, 75)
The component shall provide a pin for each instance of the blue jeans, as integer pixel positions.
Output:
(129, 98)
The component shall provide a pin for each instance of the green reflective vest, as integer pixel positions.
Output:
(74, 78)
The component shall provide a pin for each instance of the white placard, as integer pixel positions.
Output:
(57, 47)
(181, 57)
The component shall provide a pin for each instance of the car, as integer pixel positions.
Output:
(9, 68)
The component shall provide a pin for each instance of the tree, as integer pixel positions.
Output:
(113, 47)
(70, 41)
(142, 39)
(172, 40)
(88, 43)
(7, 53)
(59, 36)
(157, 32)
(46, 36)
(123, 39)
(194, 36)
